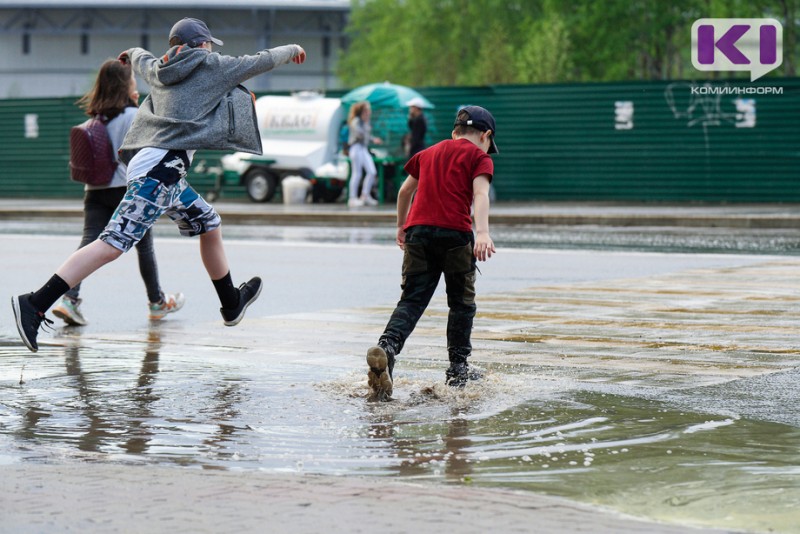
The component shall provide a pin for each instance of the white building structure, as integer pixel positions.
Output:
(52, 48)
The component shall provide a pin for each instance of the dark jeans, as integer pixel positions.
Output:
(431, 251)
(98, 207)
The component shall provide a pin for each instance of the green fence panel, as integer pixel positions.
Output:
(634, 141)
(640, 141)
(34, 151)
(34, 147)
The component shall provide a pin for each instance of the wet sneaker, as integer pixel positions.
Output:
(458, 374)
(379, 376)
(69, 310)
(170, 304)
(248, 293)
(28, 320)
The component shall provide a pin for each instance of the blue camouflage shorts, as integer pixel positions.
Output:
(153, 195)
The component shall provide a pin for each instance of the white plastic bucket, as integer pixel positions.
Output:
(295, 189)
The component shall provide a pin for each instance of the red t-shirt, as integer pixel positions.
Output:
(444, 194)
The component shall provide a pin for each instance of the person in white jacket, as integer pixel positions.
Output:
(361, 163)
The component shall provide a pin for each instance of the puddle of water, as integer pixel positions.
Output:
(522, 427)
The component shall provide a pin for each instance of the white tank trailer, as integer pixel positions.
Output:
(300, 137)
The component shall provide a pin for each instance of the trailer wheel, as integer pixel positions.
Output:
(261, 185)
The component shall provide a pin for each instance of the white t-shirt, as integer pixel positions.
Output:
(147, 158)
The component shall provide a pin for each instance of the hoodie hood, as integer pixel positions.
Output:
(178, 63)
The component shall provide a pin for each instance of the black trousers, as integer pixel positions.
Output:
(430, 252)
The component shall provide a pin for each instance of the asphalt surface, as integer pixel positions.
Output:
(134, 498)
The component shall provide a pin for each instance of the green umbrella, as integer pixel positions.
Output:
(384, 95)
(389, 104)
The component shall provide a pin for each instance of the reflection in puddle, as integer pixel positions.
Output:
(153, 402)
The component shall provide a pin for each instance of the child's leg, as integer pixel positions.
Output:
(132, 218)
(29, 309)
(212, 252)
(421, 275)
(195, 217)
(234, 301)
(461, 301)
(85, 261)
(459, 278)
(418, 289)
(417, 292)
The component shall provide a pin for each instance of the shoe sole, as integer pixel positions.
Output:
(67, 318)
(241, 315)
(17, 315)
(378, 375)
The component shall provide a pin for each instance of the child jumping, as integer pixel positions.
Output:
(435, 232)
(195, 102)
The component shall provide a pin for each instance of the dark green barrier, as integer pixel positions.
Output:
(557, 142)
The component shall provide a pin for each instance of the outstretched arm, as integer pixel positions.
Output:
(239, 68)
(484, 246)
(243, 68)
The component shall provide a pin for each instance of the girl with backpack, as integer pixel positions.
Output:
(115, 99)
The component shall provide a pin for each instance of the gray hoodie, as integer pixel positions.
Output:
(195, 99)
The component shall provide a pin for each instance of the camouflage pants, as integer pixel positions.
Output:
(430, 252)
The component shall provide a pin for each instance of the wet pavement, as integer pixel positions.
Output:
(737, 229)
(659, 386)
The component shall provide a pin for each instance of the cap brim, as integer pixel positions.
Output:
(216, 41)
(493, 147)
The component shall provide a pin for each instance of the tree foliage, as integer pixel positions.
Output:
(484, 42)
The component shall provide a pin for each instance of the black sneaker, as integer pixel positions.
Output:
(28, 320)
(459, 373)
(379, 376)
(248, 293)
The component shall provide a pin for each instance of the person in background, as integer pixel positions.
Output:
(114, 96)
(417, 126)
(360, 128)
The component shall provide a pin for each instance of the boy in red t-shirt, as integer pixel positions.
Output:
(435, 233)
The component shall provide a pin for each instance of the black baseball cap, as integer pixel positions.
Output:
(192, 32)
(480, 119)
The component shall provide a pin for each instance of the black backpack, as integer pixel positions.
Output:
(91, 155)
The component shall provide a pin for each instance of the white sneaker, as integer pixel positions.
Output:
(69, 310)
(355, 203)
(369, 201)
(170, 304)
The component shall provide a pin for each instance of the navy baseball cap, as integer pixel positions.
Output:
(192, 32)
(480, 119)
